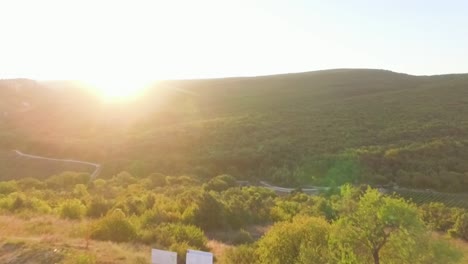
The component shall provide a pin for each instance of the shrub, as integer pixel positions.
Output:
(114, 227)
(220, 183)
(157, 180)
(31, 183)
(84, 259)
(72, 209)
(242, 237)
(240, 254)
(180, 180)
(167, 234)
(67, 180)
(8, 187)
(181, 249)
(98, 207)
(16, 202)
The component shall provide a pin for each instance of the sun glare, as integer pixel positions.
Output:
(117, 89)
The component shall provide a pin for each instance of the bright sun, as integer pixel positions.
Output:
(118, 89)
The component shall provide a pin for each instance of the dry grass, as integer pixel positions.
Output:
(217, 247)
(48, 239)
(457, 243)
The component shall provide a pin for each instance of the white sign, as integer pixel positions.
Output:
(163, 257)
(199, 257)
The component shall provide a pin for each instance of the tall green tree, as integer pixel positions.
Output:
(384, 229)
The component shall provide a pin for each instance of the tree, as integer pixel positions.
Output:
(72, 209)
(382, 229)
(304, 240)
(220, 183)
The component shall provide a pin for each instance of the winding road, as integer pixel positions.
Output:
(97, 167)
(313, 190)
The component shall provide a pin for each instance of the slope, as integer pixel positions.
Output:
(325, 127)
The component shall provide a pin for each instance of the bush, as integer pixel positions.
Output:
(239, 255)
(84, 259)
(304, 240)
(220, 183)
(31, 183)
(72, 209)
(155, 216)
(67, 180)
(181, 249)
(157, 180)
(180, 180)
(167, 234)
(242, 237)
(98, 207)
(8, 187)
(208, 212)
(114, 227)
(17, 202)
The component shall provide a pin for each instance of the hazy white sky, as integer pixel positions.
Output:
(141, 40)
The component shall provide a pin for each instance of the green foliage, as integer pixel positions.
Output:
(72, 209)
(19, 202)
(180, 180)
(157, 179)
(220, 183)
(246, 206)
(98, 207)
(285, 210)
(345, 226)
(460, 228)
(166, 235)
(240, 254)
(8, 187)
(302, 204)
(242, 237)
(437, 216)
(67, 180)
(343, 170)
(382, 229)
(181, 250)
(317, 127)
(207, 212)
(84, 259)
(304, 240)
(123, 179)
(114, 227)
(31, 183)
(441, 252)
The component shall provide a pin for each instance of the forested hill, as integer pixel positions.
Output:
(324, 127)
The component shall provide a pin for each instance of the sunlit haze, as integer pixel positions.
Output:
(119, 44)
(118, 88)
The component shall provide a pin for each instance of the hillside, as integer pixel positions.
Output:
(324, 127)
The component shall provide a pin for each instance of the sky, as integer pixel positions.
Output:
(136, 40)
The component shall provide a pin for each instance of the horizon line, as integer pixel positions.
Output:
(241, 76)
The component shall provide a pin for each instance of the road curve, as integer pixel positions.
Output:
(288, 190)
(97, 167)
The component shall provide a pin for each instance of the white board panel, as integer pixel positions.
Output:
(163, 257)
(199, 257)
